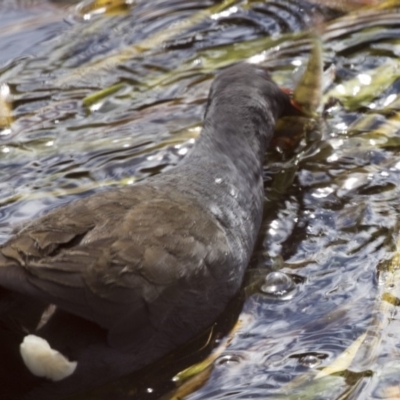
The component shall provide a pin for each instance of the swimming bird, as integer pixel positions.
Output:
(115, 280)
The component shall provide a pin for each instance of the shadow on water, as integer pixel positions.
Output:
(99, 94)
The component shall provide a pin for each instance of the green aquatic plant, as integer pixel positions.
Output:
(365, 86)
(110, 7)
(6, 108)
(308, 93)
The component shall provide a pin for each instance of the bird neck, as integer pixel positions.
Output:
(224, 171)
(236, 129)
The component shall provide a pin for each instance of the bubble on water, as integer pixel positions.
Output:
(309, 361)
(277, 284)
(228, 360)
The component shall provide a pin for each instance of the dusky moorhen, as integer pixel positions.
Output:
(136, 271)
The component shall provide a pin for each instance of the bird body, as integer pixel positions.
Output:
(136, 271)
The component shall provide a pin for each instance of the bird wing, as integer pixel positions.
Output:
(123, 267)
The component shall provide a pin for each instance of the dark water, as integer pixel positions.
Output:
(331, 225)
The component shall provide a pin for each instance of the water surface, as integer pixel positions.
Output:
(107, 97)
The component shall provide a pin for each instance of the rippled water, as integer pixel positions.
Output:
(330, 227)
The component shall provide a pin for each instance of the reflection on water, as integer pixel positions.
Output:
(24, 25)
(104, 95)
